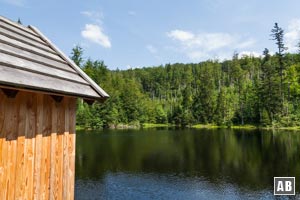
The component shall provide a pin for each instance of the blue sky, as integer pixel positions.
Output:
(135, 33)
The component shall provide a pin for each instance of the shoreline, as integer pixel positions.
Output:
(246, 126)
(195, 126)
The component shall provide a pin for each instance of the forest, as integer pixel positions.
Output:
(261, 91)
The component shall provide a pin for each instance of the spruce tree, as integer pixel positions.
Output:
(269, 87)
(277, 35)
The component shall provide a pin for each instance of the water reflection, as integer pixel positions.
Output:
(247, 160)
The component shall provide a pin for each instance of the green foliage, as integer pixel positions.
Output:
(76, 55)
(244, 90)
(277, 35)
(270, 87)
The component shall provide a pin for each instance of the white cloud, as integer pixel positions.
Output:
(94, 16)
(199, 46)
(212, 41)
(151, 49)
(180, 35)
(94, 33)
(292, 36)
(19, 3)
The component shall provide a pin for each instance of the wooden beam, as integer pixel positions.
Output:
(89, 101)
(58, 99)
(26, 79)
(9, 92)
(36, 91)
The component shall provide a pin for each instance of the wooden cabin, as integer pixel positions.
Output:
(39, 86)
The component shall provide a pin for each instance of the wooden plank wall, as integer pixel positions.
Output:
(37, 147)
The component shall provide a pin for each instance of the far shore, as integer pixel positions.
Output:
(196, 126)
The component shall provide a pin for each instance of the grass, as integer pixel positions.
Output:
(213, 126)
(286, 128)
(79, 128)
(209, 126)
(152, 125)
(246, 126)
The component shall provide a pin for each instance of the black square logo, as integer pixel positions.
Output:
(284, 185)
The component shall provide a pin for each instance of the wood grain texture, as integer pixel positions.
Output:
(65, 130)
(71, 148)
(46, 151)
(2, 143)
(37, 147)
(20, 163)
(53, 168)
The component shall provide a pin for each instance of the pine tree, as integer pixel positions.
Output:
(277, 35)
(269, 87)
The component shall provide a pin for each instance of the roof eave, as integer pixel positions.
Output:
(49, 91)
(102, 94)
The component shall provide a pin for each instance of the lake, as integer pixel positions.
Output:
(184, 164)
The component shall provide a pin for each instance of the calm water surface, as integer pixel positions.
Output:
(184, 164)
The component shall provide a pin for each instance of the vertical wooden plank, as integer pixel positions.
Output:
(65, 147)
(38, 146)
(30, 144)
(12, 138)
(46, 148)
(20, 167)
(71, 147)
(54, 110)
(2, 140)
(59, 150)
(5, 149)
(11, 146)
(12, 135)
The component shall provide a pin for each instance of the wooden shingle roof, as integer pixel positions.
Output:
(30, 61)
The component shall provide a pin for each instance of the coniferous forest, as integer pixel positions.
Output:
(261, 91)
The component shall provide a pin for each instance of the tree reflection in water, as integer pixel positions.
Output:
(248, 159)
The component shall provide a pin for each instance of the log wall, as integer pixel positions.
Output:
(37, 147)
